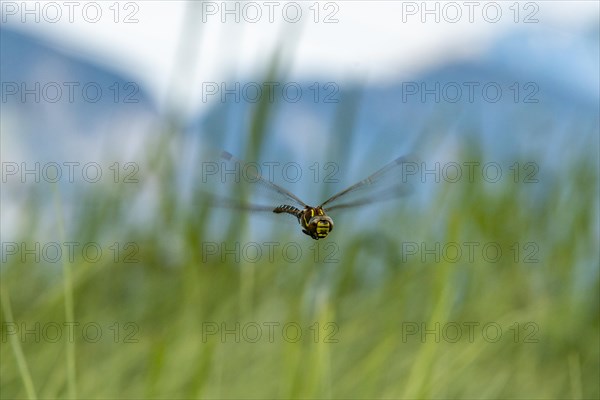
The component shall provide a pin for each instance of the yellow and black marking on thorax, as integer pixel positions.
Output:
(315, 223)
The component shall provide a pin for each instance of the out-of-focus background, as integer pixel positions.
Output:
(121, 279)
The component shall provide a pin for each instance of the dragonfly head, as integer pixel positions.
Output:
(319, 225)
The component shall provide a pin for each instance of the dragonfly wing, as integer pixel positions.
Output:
(226, 202)
(389, 182)
(389, 194)
(272, 191)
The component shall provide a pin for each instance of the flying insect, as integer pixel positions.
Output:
(387, 183)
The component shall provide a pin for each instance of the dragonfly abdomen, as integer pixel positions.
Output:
(288, 210)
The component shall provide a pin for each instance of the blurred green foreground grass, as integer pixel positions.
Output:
(178, 324)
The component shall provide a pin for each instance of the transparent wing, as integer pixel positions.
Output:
(275, 194)
(388, 183)
(226, 202)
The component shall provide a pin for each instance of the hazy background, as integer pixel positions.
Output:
(128, 284)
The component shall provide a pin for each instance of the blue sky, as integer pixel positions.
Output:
(362, 41)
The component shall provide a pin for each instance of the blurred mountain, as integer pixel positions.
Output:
(547, 82)
(56, 104)
(534, 93)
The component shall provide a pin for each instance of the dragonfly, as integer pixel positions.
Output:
(389, 182)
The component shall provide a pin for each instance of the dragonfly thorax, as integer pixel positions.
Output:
(315, 222)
